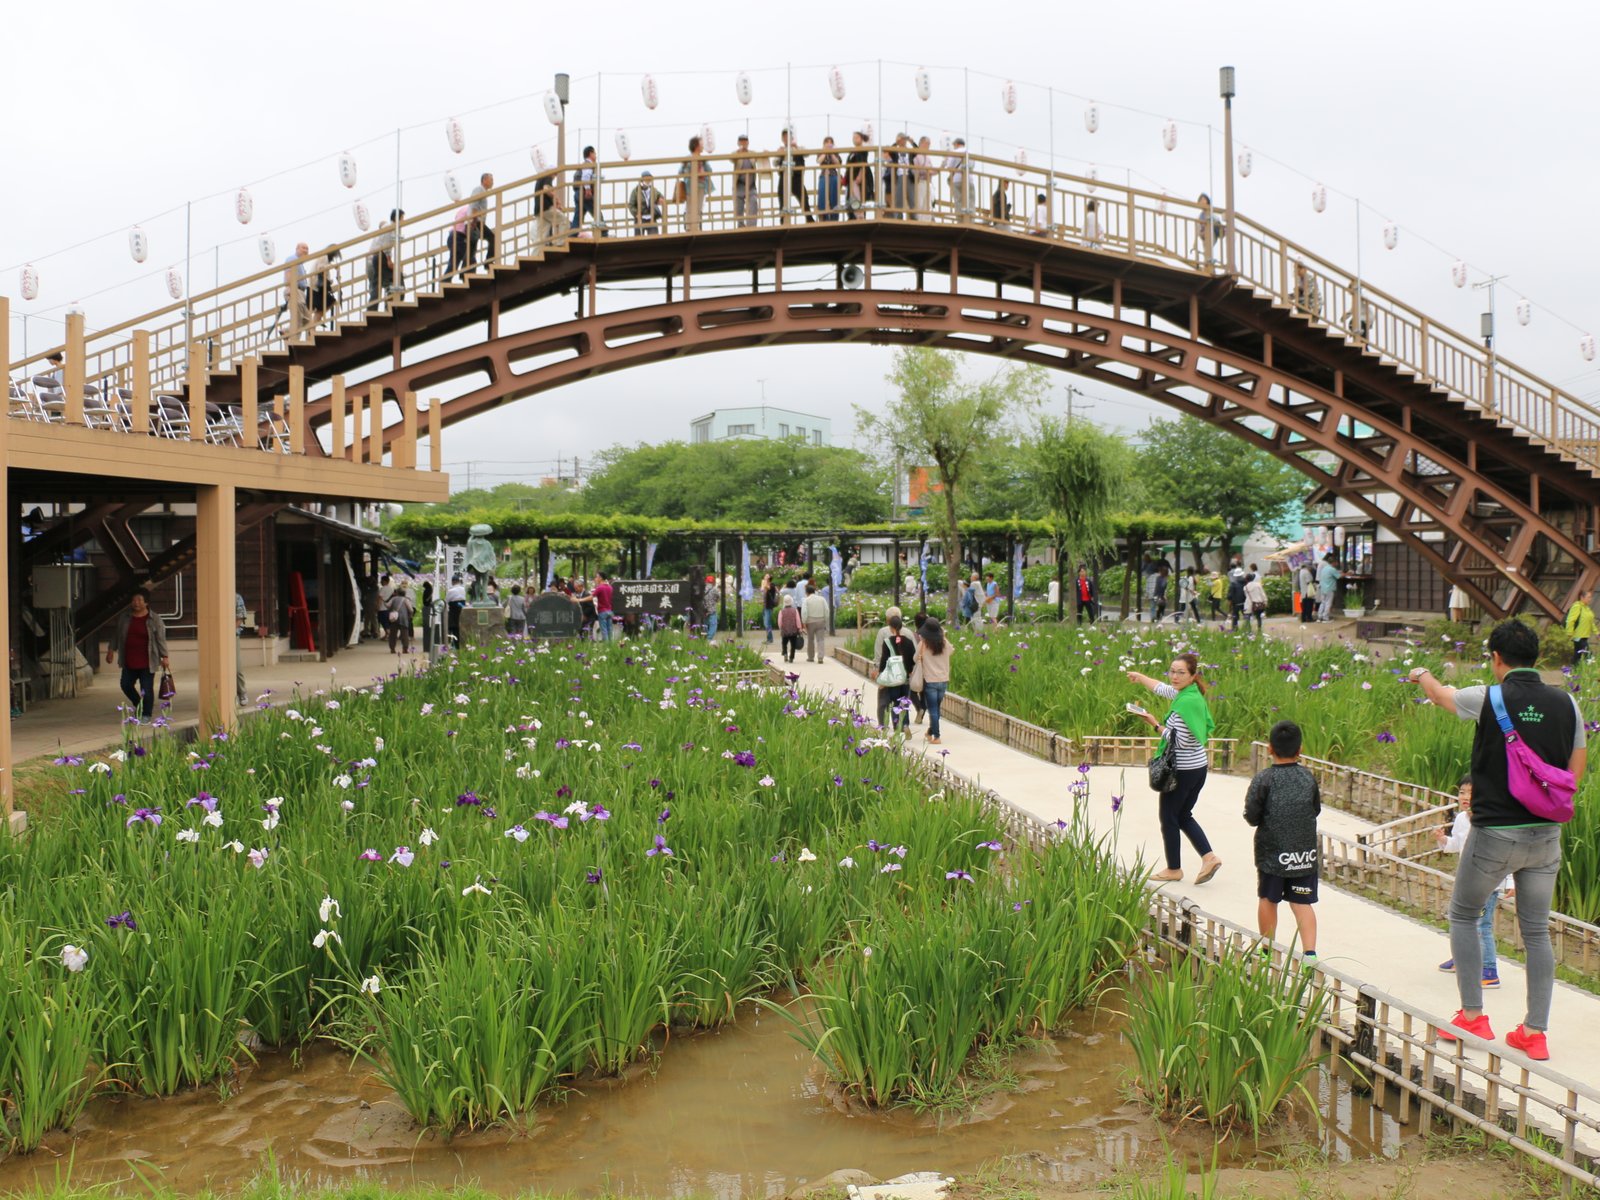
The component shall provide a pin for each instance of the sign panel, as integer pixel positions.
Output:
(659, 598)
(554, 616)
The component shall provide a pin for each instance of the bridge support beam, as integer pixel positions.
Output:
(7, 801)
(218, 630)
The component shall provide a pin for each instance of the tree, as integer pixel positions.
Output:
(1191, 466)
(1080, 473)
(940, 419)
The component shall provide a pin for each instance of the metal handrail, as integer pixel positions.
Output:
(242, 317)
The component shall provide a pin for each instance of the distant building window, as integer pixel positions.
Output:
(741, 430)
(801, 431)
(816, 437)
(783, 431)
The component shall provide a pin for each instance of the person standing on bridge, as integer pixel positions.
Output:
(860, 184)
(481, 232)
(383, 265)
(296, 291)
(694, 185)
(644, 207)
(1508, 836)
(583, 189)
(1580, 624)
(955, 165)
(828, 164)
(922, 167)
(1208, 231)
(547, 203)
(746, 185)
(1189, 723)
(791, 166)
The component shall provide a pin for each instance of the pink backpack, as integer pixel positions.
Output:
(1543, 789)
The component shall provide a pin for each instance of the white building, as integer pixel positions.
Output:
(773, 424)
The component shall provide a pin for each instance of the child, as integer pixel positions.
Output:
(1282, 805)
(1454, 842)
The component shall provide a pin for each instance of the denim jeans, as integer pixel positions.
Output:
(1491, 959)
(766, 623)
(711, 626)
(1531, 855)
(933, 697)
(605, 626)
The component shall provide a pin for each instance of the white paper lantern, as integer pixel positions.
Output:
(742, 88)
(553, 111)
(1008, 97)
(1524, 312)
(1319, 198)
(1091, 118)
(1391, 236)
(347, 169)
(454, 136)
(244, 206)
(647, 89)
(138, 244)
(1161, 205)
(1246, 163)
(1338, 535)
(452, 186)
(363, 217)
(1169, 135)
(836, 82)
(624, 149)
(867, 129)
(708, 140)
(536, 156)
(924, 83)
(1022, 162)
(268, 250)
(1586, 347)
(1093, 176)
(30, 282)
(1458, 273)
(175, 283)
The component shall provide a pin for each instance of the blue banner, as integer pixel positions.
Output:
(836, 571)
(746, 589)
(1016, 571)
(649, 557)
(924, 572)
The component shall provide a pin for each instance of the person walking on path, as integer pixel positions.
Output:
(710, 607)
(1581, 624)
(933, 656)
(1305, 582)
(769, 604)
(516, 612)
(1255, 597)
(991, 599)
(1282, 806)
(893, 618)
(1186, 597)
(791, 628)
(1088, 597)
(1156, 593)
(603, 594)
(1189, 723)
(140, 641)
(815, 612)
(896, 658)
(1218, 593)
(1454, 842)
(1328, 576)
(1459, 604)
(1236, 596)
(1508, 837)
(402, 615)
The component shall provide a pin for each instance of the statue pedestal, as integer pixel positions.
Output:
(482, 624)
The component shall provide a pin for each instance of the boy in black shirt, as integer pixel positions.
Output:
(1282, 805)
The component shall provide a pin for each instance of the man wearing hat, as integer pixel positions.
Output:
(644, 206)
(383, 263)
(746, 194)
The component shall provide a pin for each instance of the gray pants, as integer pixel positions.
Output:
(816, 641)
(746, 204)
(1325, 606)
(1531, 855)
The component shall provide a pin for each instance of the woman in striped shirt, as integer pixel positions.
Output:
(1188, 722)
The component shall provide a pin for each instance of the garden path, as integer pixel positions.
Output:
(1394, 953)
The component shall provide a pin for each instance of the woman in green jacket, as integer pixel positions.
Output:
(1189, 723)
(1581, 624)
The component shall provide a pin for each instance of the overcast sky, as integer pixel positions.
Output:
(1469, 124)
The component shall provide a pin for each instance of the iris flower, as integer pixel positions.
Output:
(258, 857)
(150, 815)
(990, 846)
(328, 909)
(74, 958)
(370, 855)
(660, 847)
(123, 920)
(403, 855)
(595, 876)
(958, 875)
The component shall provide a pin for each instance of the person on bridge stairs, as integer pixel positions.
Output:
(547, 203)
(1189, 721)
(456, 243)
(296, 291)
(383, 274)
(1507, 836)
(1208, 232)
(1282, 806)
(583, 189)
(1581, 624)
(644, 206)
(481, 232)
(861, 186)
(1454, 841)
(1307, 296)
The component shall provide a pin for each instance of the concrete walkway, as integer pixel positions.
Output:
(1392, 952)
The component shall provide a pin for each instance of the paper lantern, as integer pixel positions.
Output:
(452, 186)
(742, 88)
(1458, 273)
(1586, 347)
(708, 140)
(1391, 236)
(1008, 97)
(138, 244)
(363, 218)
(647, 89)
(1091, 118)
(867, 129)
(1022, 162)
(347, 169)
(624, 150)
(1524, 312)
(1246, 163)
(454, 136)
(1161, 205)
(924, 83)
(553, 111)
(30, 282)
(175, 283)
(244, 206)
(536, 156)
(1169, 135)
(1093, 176)
(1338, 535)
(269, 251)
(836, 82)
(1319, 198)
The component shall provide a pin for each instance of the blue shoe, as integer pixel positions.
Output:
(1491, 977)
(1448, 966)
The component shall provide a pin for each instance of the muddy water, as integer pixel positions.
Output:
(734, 1115)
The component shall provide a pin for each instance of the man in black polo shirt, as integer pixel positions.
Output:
(1506, 838)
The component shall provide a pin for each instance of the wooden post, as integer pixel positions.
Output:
(375, 425)
(336, 428)
(197, 394)
(217, 634)
(72, 370)
(435, 448)
(407, 457)
(1061, 584)
(141, 381)
(249, 403)
(6, 801)
(297, 410)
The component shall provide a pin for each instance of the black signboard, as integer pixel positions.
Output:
(658, 598)
(554, 616)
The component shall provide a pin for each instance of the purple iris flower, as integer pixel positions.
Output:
(666, 815)
(990, 846)
(139, 751)
(123, 920)
(599, 812)
(204, 800)
(370, 855)
(745, 759)
(595, 876)
(467, 798)
(655, 783)
(151, 815)
(874, 844)
(68, 760)
(958, 875)
(660, 847)
(1386, 736)
(121, 798)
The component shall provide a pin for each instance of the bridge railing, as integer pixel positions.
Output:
(252, 315)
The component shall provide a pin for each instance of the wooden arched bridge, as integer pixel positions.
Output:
(1486, 471)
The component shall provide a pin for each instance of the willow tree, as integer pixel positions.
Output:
(941, 420)
(1080, 472)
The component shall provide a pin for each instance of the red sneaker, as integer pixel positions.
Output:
(1530, 1041)
(1479, 1027)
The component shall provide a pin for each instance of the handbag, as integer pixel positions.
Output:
(893, 672)
(916, 677)
(168, 689)
(1164, 766)
(1542, 788)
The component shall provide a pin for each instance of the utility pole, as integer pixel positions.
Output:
(1226, 85)
(1073, 391)
(1486, 331)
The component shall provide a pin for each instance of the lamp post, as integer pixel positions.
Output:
(1226, 86)
(563, 94)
